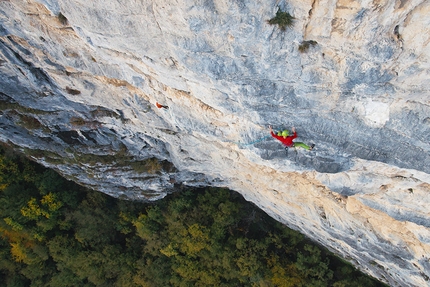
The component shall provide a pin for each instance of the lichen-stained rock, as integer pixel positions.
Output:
(80, 81)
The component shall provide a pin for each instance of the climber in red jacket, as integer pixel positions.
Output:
(158, 105)
(287, 140)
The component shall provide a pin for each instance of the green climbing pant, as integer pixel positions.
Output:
(300, 144)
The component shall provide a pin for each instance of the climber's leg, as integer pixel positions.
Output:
(300, 144)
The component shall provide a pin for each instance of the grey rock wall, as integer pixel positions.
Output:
(78, 93)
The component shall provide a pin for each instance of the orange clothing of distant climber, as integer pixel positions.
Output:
(161, 106)
(287, 141)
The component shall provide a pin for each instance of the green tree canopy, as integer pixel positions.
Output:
(56, 233)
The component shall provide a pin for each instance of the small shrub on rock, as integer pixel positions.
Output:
(29, 122)
(151, 166)
(283, 19)
(77, 121)
(304, 45)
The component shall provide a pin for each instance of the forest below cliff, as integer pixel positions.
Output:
(57, 233)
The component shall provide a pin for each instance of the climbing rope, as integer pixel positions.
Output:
(160, 106)
(251, 143)
(256, 141)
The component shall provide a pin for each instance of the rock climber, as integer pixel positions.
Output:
(161, 106)
(287, 140)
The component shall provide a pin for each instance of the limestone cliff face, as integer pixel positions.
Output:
(80, 79)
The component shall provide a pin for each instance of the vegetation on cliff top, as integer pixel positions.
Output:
(56, 233)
